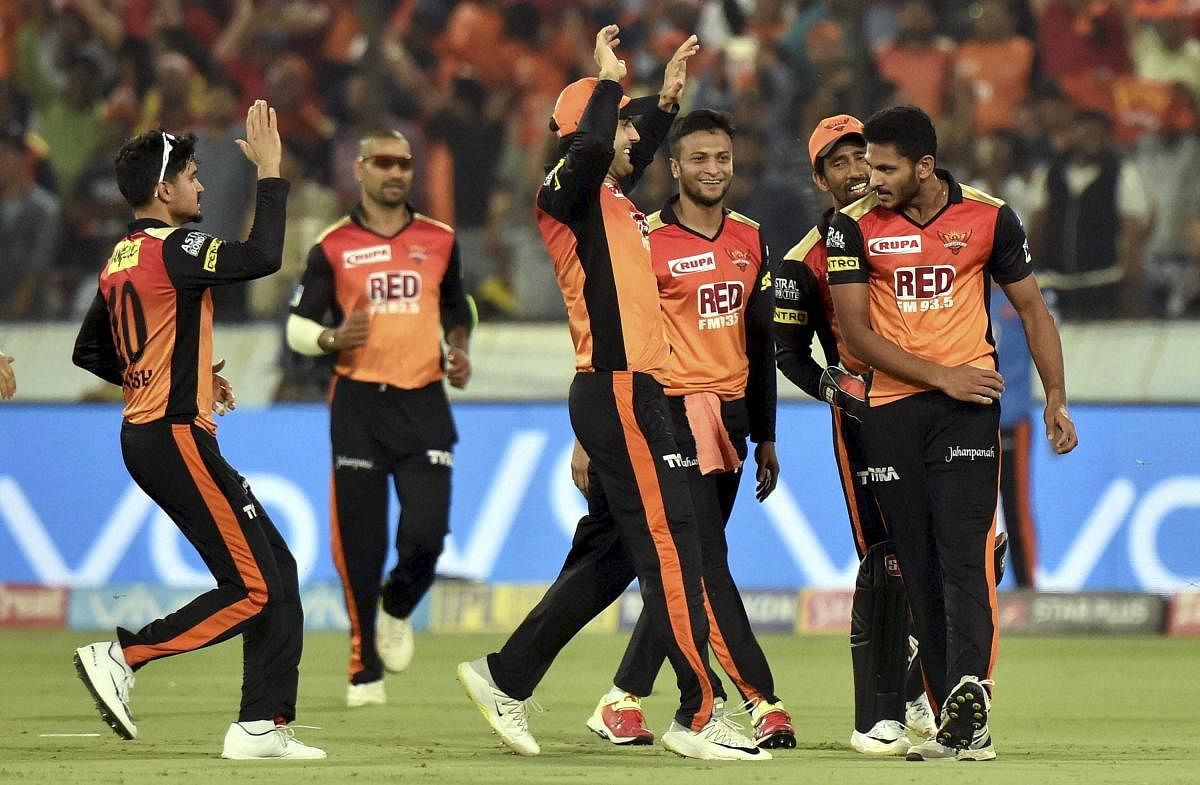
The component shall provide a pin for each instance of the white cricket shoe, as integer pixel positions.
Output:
(720, 739)
(393, 641)
(264, 740)
(918, 717)
(103, 670)
(369, 694)
(980, 748)
(965, 713)
(508, 716)
(931, 749)
(887, 737)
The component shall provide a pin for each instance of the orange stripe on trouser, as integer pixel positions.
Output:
(339, 562)
(243, 558)
(843, 464)
(1024, 512)
(670, 571)
(721, 649)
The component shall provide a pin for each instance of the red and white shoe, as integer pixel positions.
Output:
(772, 726)
(621, 721)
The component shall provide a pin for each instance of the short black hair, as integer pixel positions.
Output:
(698, 120)
(140, 160)
(907, 128)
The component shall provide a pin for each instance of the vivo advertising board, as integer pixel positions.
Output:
(1121, 512)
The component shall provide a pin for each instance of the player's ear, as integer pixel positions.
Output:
(925, 166)
(674, 169)
(819, 181)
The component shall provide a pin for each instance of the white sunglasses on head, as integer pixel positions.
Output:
(167, 148)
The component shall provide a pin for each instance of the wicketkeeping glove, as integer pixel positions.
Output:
(844, 390)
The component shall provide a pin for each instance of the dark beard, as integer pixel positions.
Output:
(700, 199)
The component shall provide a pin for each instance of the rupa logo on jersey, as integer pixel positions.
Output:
(394, 292)
(882, 246)
(371, 255)
(719, 304)
(692, 264)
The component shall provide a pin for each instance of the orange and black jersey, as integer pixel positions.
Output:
(929, 285)
(412, 283)
(717, 298)
(804, 309)
(149, 329)
(598, 242)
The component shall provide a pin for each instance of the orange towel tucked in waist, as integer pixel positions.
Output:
(714, 451)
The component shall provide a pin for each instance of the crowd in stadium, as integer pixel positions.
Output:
(1082, 114)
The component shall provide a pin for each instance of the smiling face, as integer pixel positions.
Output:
(621, 166)
(384, 170)
(704, 167)
(844, 172)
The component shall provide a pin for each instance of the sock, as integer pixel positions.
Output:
(615, 694)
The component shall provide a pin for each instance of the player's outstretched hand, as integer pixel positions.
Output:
(976, 385)
(675, 74)
(8, 380)
(262, 145)
(611, 67)
(458, 367)
(579, 468)
(1060, 430)
(768, 469)
(223, 398)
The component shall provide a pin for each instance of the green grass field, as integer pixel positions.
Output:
(1066, 711)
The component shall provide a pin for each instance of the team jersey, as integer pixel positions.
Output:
(716, 295)
(599, 244)
(410, 281)
(929, 285)
(804, 309)
(149, 328)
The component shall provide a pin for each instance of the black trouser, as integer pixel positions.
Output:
(729, 632)
(180, 467)
(640, 523)
(1018, 509)
(934, 463)
(866, 524)
(380, 431)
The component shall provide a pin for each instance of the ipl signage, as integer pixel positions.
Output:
(1122, 512)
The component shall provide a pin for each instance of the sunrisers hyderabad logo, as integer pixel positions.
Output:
(955, 241)
(739, 256)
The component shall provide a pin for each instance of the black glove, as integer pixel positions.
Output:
(844, 390)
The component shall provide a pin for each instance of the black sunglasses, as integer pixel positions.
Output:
(387, 162)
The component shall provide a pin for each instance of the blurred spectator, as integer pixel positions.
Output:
(993, 69)
(311, 209)
(1003, 169)
(29, 230)
(471, 126)
(1089, 225)
(918, 63)
(228, 182)
(1165, 48)
(95, 217)
(1082, 46)
(1170, 160)
(69, 114)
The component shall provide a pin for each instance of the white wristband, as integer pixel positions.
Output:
(304, 336)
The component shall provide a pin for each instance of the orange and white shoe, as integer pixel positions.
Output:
(772, 726)
(621, 721)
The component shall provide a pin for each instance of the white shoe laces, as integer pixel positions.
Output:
(516, 711)
(724, 730)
